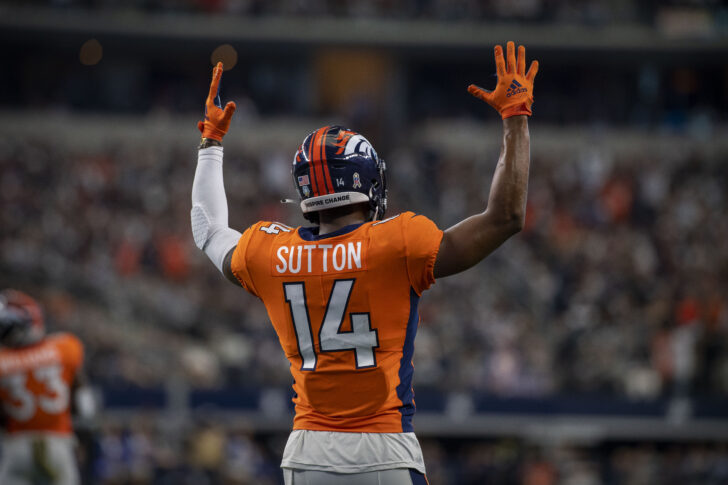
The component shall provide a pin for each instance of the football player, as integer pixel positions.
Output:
(39, 376)
(342, 294)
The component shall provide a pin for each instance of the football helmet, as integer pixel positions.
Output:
(21, 319)
(335, 167)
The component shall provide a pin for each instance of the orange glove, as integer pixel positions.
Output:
(513, 95)
(217, 120)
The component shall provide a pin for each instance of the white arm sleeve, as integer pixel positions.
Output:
(86, 402)
(209, 208)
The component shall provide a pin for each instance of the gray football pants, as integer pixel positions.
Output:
(29, 458)
(399, 476)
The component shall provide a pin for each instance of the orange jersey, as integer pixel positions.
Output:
(344, 307)
(35, 384)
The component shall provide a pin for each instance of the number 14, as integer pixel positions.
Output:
(362, 339)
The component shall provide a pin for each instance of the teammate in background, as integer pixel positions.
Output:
(39, 375)
(342, 295)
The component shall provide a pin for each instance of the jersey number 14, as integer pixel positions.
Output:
(362, 339)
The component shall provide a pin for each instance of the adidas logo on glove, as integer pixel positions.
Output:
(515, 88)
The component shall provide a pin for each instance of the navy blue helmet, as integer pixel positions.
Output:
(21, 319)
(335, 167)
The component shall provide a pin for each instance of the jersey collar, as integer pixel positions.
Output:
(311, 233)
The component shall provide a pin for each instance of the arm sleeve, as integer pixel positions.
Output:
(422, 241)
(209, 215)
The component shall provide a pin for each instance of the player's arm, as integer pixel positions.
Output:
(84, 401)
(474, 238)
(209, 213)
(227, 267)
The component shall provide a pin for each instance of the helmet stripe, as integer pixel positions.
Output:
(324, 163)
(317, 162)
(311, 164)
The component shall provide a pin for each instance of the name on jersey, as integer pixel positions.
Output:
(24, 360)
(320, 258)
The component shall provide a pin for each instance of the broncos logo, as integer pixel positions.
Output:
(351, 143)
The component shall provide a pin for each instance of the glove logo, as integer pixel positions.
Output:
(514, 89)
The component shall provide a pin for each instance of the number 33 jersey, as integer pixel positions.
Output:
(344, 306)
(36, 381)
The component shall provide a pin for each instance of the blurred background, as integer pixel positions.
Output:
(591, 349)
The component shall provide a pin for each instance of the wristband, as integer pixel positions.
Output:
(209, 142)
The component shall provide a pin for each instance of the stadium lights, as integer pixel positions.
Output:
(91, 52)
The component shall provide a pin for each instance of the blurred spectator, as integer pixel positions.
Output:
(235, 457)
(593, 12)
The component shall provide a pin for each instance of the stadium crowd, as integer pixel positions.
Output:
(616, 286)
(593, 12)
(207, 453)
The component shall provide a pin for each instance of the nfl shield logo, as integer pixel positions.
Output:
(303, 180)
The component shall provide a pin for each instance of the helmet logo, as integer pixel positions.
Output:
(351, 143)
(357, 182)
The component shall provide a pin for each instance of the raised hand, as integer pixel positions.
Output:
(217, 121)
(513, 95)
